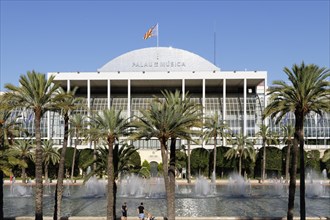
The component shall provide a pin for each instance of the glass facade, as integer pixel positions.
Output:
(317, 128)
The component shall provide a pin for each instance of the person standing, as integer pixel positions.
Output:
(140, 211)
(124, 211)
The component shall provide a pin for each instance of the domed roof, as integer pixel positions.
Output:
(158, 59)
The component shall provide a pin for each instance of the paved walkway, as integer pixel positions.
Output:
(177, 218)
(179, 181)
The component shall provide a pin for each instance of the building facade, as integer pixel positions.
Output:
(130, 81)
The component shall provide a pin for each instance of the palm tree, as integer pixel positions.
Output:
(268, 138)
(77, 123)
(23, 149)
(93, 135)
(66, 103)
(326, 156)
(213, 127)
(192, 113)
(122, 160)
(111, 126)
(36, 93)
(189, 163)
(307, 91)
(50, 154)
(165, 120)
(288, 133)
(8, 130)
(242, 148)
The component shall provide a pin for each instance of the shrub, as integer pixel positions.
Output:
(199, 161)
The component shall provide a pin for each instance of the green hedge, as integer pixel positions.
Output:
(313, 161)
(180, 160)
(223, 166)
(274, 163)
(85, 158)
(326, 164)
(284, 150)
(199, 161)
(135, 160)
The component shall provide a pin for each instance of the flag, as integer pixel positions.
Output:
(152, 32)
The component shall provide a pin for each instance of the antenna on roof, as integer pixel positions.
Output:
(214, 43)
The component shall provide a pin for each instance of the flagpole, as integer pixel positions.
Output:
(157, 34)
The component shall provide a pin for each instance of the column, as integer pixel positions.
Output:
(224, 103)
(109, 94)
(203, 103)
(183, 89)
(244, 108)
(224, 107)
(129, 98)
(68, 89)
(89, 106)
(266, 121)
(88, 95)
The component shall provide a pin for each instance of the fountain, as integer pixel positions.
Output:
(237, 198)
(314, 184)
(137, 187)
(237, 186)
(204, 188)
(95, 187)
(18, 190)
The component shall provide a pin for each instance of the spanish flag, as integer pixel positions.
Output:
(152, 32)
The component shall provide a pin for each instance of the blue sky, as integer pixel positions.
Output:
(82, 36)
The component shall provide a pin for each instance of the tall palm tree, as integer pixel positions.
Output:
(8, 130)
(212, 128)
(193, 114)
(111, 126)
(268, 138)
(288, 133)
(50, 154)
(242, 148)
(35, 92)
(94, 136)
(326, 156)
(65, 103)
(307, 91)
(189, 163)
(165, 120)
(77, 122)
(122, 160)
(24, 150)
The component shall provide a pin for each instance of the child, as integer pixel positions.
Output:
(150, 217)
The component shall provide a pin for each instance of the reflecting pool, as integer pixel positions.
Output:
(221, 200)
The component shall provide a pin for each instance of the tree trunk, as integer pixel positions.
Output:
(74, 155)
(300, 133)
(293, 174)
(111, 214)
(2, 146)
(23, 174)
(188, 170)
(60, 175)
(1, 194)
(264, 160)
(55, 205)
(94, 156)
(170, 195)
(287, 160)
(240, 165)
(164, 153)
(38, 169)
(46, 173)
(215, 159)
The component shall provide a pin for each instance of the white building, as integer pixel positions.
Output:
(130, 81)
